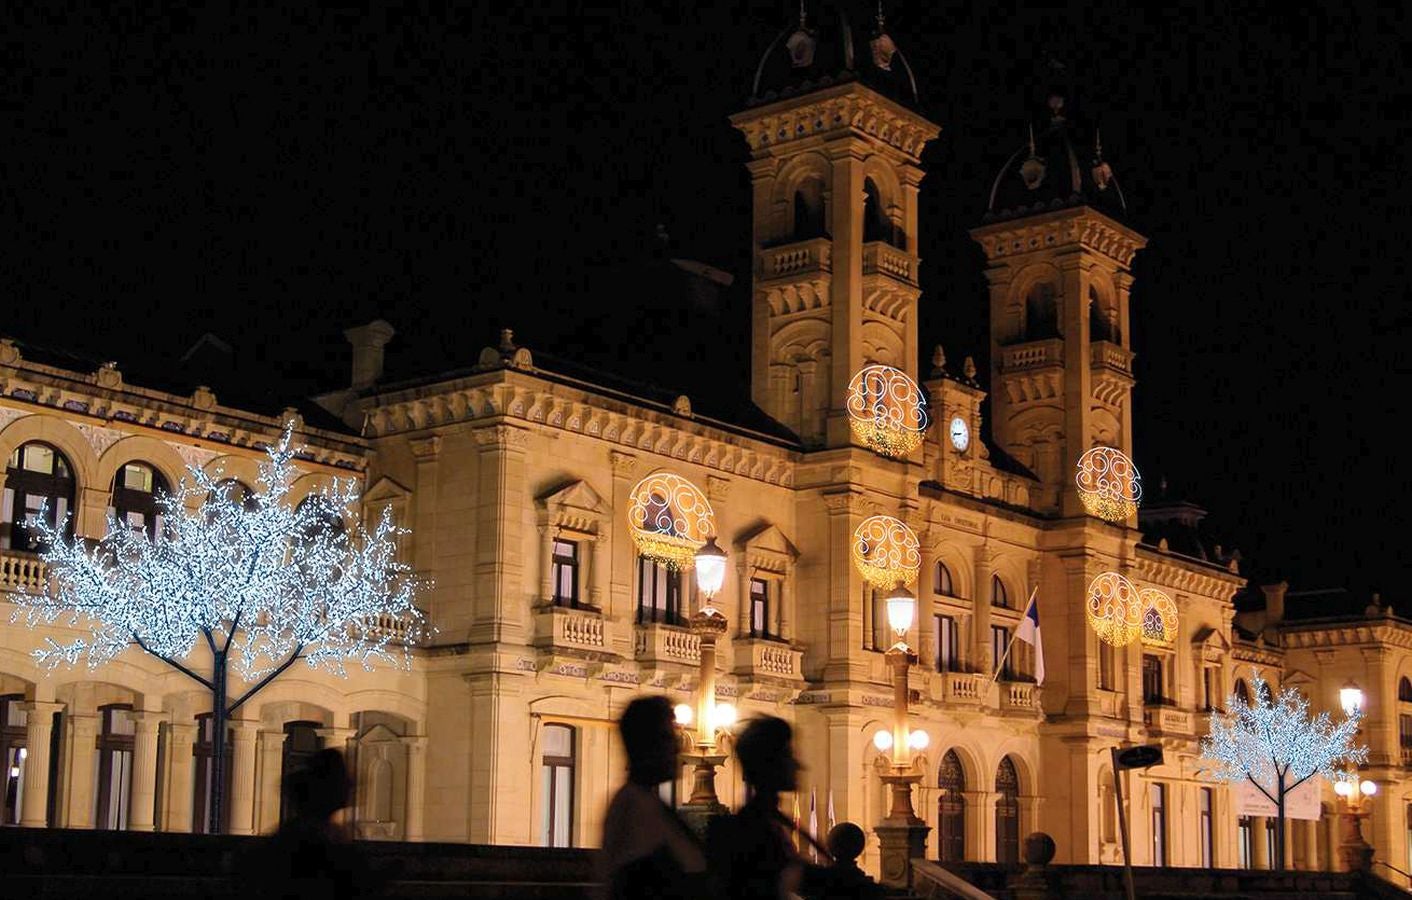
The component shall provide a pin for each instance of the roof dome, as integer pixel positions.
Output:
(823, 47)
(1060, 165)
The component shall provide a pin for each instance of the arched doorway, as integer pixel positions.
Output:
(38, 480)
(1007, 813)
(951, 809)
(301, 741)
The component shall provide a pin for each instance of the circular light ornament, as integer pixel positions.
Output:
(882, 740)
(682, 712)
(669, 519)
(886, 552)
(724, 716)
(1159, 618)
(1114, 609)
(886, 410)
(1109, 484)
(918, 740)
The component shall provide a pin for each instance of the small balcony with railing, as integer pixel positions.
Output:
(21, 572)
(1032, 355)
(569, 628)
(801, 259)
(1112, 357)
(658, 643)
(769, 659)
(881, 258)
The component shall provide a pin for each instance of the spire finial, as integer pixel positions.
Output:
(881, 22)
(1098, 145)
(802, 14)
(969, 369)
(938, 362)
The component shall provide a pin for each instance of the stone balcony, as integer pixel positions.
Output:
(1019, 697)
(1165, 719)
(563, 628)
(1032, 355)
(798, 260)
(1108, 355)
(881, 258)
(759, 658)
(658, 643)
(21, 572)
(963, 688)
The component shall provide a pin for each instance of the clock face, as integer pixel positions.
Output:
(960, 434)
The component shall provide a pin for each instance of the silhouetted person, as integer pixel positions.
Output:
(310, 857)
(844, 879)
(648, 851)
(752, 852)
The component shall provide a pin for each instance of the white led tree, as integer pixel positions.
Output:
(1275, 744)
(232, 579)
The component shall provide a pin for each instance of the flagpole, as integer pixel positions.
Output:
(1013, 637)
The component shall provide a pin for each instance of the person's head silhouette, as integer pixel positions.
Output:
(845, 843)
(767, 756)
(649, 735)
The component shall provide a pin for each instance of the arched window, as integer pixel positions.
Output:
(38, 479)
(1101, 326)
(1404, 690)
(1007, 813)
(203, 752)
(326, 519)
(1041, 313)
(876, 224)
(115, 742)
(998, 595)
(1242, 691)
(301, 741)
(135, 490)
(12, 755)
(236, 490)
(809, 210)
(951, 809)
(557, 786)
(941, 582)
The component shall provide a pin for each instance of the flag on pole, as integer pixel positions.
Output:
(831, 819)
(813, 826)
(1029, 633)
(797, 839)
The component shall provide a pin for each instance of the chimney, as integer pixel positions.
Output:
(367, 342)
(1274, 601)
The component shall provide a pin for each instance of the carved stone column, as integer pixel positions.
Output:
(242, 792)
(143, 802)
(82, 748)
(39, 730)
(980, 591)
(181, 775)
(498, 611)
(786, 612)
(416, 786)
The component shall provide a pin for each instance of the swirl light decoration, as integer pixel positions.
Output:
(886, 410)
(886, 552)
(1114, 609)
(669, 519)
(1159, 618)
(1109, 484)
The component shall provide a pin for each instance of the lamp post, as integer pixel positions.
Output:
(1350, 697)
(902, 835)
(1356, 794)
(708, 624)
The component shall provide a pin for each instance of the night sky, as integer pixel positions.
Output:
(274, 175)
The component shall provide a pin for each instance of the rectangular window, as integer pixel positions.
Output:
(759, 607)
(877, 614)
(1270, 840)
(137, 478)
(947, 644)
(1247, 843)
(557, 786)
(1404, 731)
(1207, 833)
(1157, 795)
(999, 643)
(1208, 688)
(658, 593)
(1105, 666)
(1151, 679)
(564, 572)
(38, 458)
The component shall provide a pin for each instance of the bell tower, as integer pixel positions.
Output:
(835, 145)
(1059, 260)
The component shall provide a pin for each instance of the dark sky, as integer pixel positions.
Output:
(274, 175)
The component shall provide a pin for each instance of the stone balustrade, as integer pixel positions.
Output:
(963, 687)
(881, 258)
(1112, 356)
(805, 257)
(21, 572)
(1019, 695)
(580, 629)
(667, 643)
(765, 658)
(1032, 355)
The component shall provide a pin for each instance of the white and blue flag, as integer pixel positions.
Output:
(1029, 633)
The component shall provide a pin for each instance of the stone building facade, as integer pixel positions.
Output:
(514, 481)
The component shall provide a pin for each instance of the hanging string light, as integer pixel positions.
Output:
(886, 552)
(886, 410)
(669, 519)
(1109, 484)
(1114, 610)
(1159, 618)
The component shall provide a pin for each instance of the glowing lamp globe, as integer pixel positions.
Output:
(887, 412)
(1109, 484)
(683, 714)
(724, 716)
(1159, 618)
(1369, 788)
(882, 739)
(901, 609)
(669, 519)
(918, 740)
(1343, 788)
(1114, 609)
(886, 552)
(1350, 697)
(710, 569)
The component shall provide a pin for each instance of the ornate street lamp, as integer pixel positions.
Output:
(1356, 794)
(1350, 697)
(902, 834)
(708, 624)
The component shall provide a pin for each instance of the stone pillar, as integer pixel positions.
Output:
(546, 564)
(82, 748)
(596, 578)
(742, 614)
(268, 780)
(416, 786)
(181, 774)
(39, 728)
(142, 808)
(980, 592)
(499, 612)
(241, 805)
(786, 603)
(1260, 849)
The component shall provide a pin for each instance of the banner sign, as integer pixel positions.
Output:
(1300, 803)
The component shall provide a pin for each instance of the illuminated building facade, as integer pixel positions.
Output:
(514, 481)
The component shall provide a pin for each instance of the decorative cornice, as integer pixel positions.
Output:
(1080, 227)
(624, 464)
(425, 449)
(501, 437)
(1178, 575)
(850, 110)
(1368, 633)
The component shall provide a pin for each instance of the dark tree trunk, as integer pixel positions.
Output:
(219, 716)
(1278, 863)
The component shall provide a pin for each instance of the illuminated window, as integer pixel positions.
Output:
(1007, 814)
(658, 593)
(759, 608)
(1151, 679)
(115, 744)
(941, 581)
(564, 573)
(135, 491)
(1246, 844)
(951, 809)
(38, 480)
(13, 753)
(998, 595)
(947, 644)
(557, 786)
